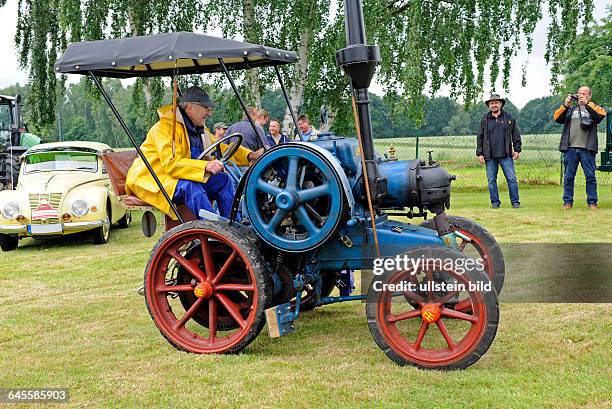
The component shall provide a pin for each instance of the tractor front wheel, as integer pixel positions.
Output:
(410, 318)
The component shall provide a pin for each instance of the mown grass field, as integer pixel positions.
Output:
(70, 317)
(540, 161)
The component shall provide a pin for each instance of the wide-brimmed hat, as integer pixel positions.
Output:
(495, 97)
(197, 95)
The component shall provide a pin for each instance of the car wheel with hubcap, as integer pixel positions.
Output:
(102, 233)
(8, 242)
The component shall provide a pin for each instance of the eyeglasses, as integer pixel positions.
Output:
(202, 106)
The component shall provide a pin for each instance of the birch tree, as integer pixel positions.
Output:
(425, 44)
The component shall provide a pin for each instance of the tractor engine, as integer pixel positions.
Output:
(412, 184)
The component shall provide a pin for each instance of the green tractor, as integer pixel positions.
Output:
(14, 140)
(606, 156)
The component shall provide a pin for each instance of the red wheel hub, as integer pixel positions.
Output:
(203, 290)
(430, 313)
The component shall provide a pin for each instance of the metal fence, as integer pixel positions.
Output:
(540, 162)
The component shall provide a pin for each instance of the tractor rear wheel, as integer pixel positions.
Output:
(219, 278)
(9, 169)
(220, 254)
(482, 245)
(417, 327)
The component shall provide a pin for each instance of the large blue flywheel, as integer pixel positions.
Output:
(294, 198)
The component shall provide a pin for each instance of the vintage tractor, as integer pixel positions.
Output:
(14, 140)
(305, 217)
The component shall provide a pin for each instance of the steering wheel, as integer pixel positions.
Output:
(229, 152)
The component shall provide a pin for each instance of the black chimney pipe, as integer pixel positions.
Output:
(359, 60)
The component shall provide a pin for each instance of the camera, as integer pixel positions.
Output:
(574, 97)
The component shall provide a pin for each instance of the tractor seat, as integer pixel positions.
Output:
(117, 165)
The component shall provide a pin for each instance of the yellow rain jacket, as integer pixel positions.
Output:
(170, 167)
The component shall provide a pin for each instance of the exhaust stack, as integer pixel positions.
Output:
(359, 60)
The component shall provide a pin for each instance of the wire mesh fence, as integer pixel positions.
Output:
(540, 162)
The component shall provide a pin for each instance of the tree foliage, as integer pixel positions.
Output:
(588, 61)
(425, 44)
(437, 42)
(81, 116)
(537, 115)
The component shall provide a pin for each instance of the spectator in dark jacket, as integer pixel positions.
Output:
(275, 137)
(250, 139)
(579, 143)
(498, 143)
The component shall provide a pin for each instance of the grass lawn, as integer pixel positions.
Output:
(70, 317)
(540, 162)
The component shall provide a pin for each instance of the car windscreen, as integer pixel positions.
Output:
(61, 160)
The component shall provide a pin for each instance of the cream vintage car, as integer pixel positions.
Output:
(63, 188)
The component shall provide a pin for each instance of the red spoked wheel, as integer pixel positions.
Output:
(220, 254)
(482, 245)
(206, 288)
(418, 327)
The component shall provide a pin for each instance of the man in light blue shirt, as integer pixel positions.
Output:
(307, 131)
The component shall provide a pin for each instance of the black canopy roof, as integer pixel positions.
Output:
(162, 54)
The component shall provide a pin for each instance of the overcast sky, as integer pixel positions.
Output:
(538, 73)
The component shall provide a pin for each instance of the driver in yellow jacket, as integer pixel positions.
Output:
(172, 155)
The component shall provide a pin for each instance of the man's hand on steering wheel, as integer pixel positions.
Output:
(252, 156)
(215, 166)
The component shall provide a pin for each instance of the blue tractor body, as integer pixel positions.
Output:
(358, 252)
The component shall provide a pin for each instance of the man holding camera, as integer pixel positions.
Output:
(579, 143)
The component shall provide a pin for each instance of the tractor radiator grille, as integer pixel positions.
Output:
(53, 199)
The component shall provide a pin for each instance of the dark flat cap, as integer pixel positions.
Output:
(197, 95)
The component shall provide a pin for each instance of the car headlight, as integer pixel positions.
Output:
(79, 208)
(11, 210)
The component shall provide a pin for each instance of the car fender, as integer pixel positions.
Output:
(94, 195)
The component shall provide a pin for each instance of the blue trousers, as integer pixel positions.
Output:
(507, 165)
(198, 195)
(587, 159)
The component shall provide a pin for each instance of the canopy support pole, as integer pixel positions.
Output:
(133, 140)
(293, 117)
(242, 104)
